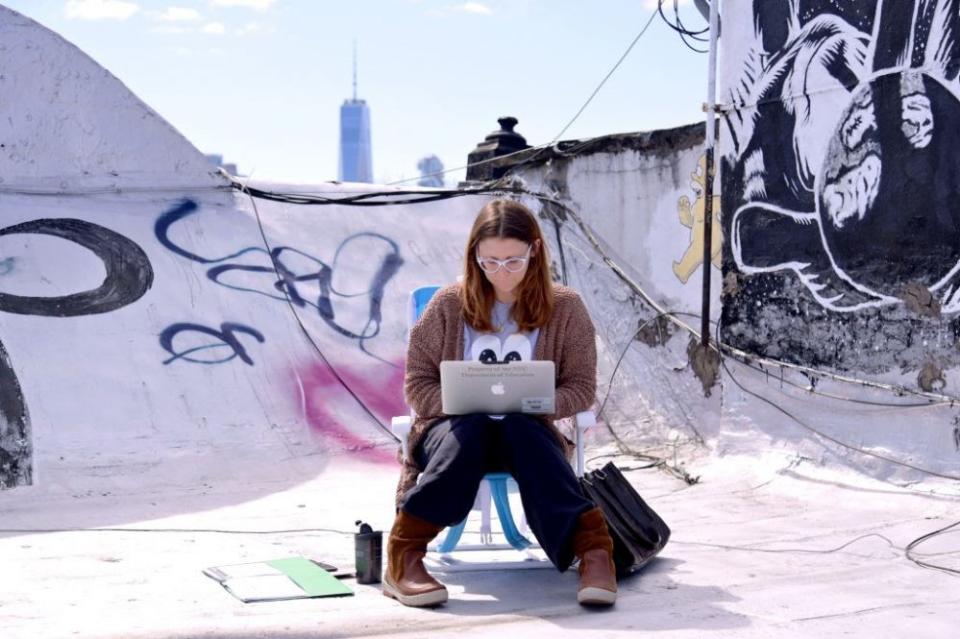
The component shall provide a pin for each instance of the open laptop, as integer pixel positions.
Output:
(516, 387)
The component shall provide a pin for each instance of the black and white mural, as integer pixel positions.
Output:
(841, 170)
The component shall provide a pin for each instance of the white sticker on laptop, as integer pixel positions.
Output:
(539, 405)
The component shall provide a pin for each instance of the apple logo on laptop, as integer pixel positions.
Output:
(498, 389)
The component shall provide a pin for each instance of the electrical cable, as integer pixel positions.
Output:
(682, 30)
(919, 540)
(600, 412)
(820, 433)
(660, 462)
(360, 199)
(595, 91)
(695, 35)
(908, 550)
(623, 354)
(366, 198)
(678, 24)
(540, 148)
(683, 38)
(471, 164)
(813, 551)
(812, 390)
(609, 455)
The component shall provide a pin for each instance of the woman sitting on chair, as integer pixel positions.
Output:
(507, 308)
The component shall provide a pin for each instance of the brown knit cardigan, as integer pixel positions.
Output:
(568, 339)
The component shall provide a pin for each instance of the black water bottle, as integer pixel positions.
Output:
(369, 554)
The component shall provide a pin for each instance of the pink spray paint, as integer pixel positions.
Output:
(379, 388)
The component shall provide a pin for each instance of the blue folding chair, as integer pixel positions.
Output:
(496, 487)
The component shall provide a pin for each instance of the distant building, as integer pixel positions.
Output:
(431, 171)
(216, 159)
(356, 164)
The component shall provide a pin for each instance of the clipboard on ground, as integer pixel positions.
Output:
(278, 580)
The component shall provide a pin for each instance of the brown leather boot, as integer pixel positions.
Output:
(406, 579)
(594, 546)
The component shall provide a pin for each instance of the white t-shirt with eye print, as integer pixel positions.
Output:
(507, 345)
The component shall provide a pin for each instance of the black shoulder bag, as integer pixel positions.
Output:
(639, 533)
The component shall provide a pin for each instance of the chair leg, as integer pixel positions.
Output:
(494, 486)
(453, 537)
(498, 486)
(483, 499)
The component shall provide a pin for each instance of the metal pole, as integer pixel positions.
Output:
(709, 173)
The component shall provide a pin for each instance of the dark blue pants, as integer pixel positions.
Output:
(455, 455)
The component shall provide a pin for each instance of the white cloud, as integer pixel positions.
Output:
(259, 5)
(179, 14)
(99, 9)
(250, 27)
(474, 7)
(216, 28)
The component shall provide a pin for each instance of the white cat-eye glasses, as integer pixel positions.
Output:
(491, 265)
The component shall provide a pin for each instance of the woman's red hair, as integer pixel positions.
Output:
(506, 219)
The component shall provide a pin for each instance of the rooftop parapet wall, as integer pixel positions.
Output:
(66, 123)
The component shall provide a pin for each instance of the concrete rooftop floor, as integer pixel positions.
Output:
(759, 549)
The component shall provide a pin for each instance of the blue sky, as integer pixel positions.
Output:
(261, 81)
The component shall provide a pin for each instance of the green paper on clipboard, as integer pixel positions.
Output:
(278, 580)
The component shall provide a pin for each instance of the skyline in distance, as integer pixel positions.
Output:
(261, 81)
(356, 162)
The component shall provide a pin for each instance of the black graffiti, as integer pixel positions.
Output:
(129, 276)
(287, 283)
(15, 453)
(284, 279)
(226, 337)
(129, 273)
(387, 268)
(162, 228)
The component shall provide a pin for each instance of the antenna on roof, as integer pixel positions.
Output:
(354, 69)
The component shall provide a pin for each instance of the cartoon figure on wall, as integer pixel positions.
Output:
(692, 216)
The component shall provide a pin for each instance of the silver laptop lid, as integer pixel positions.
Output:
(496, 389)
